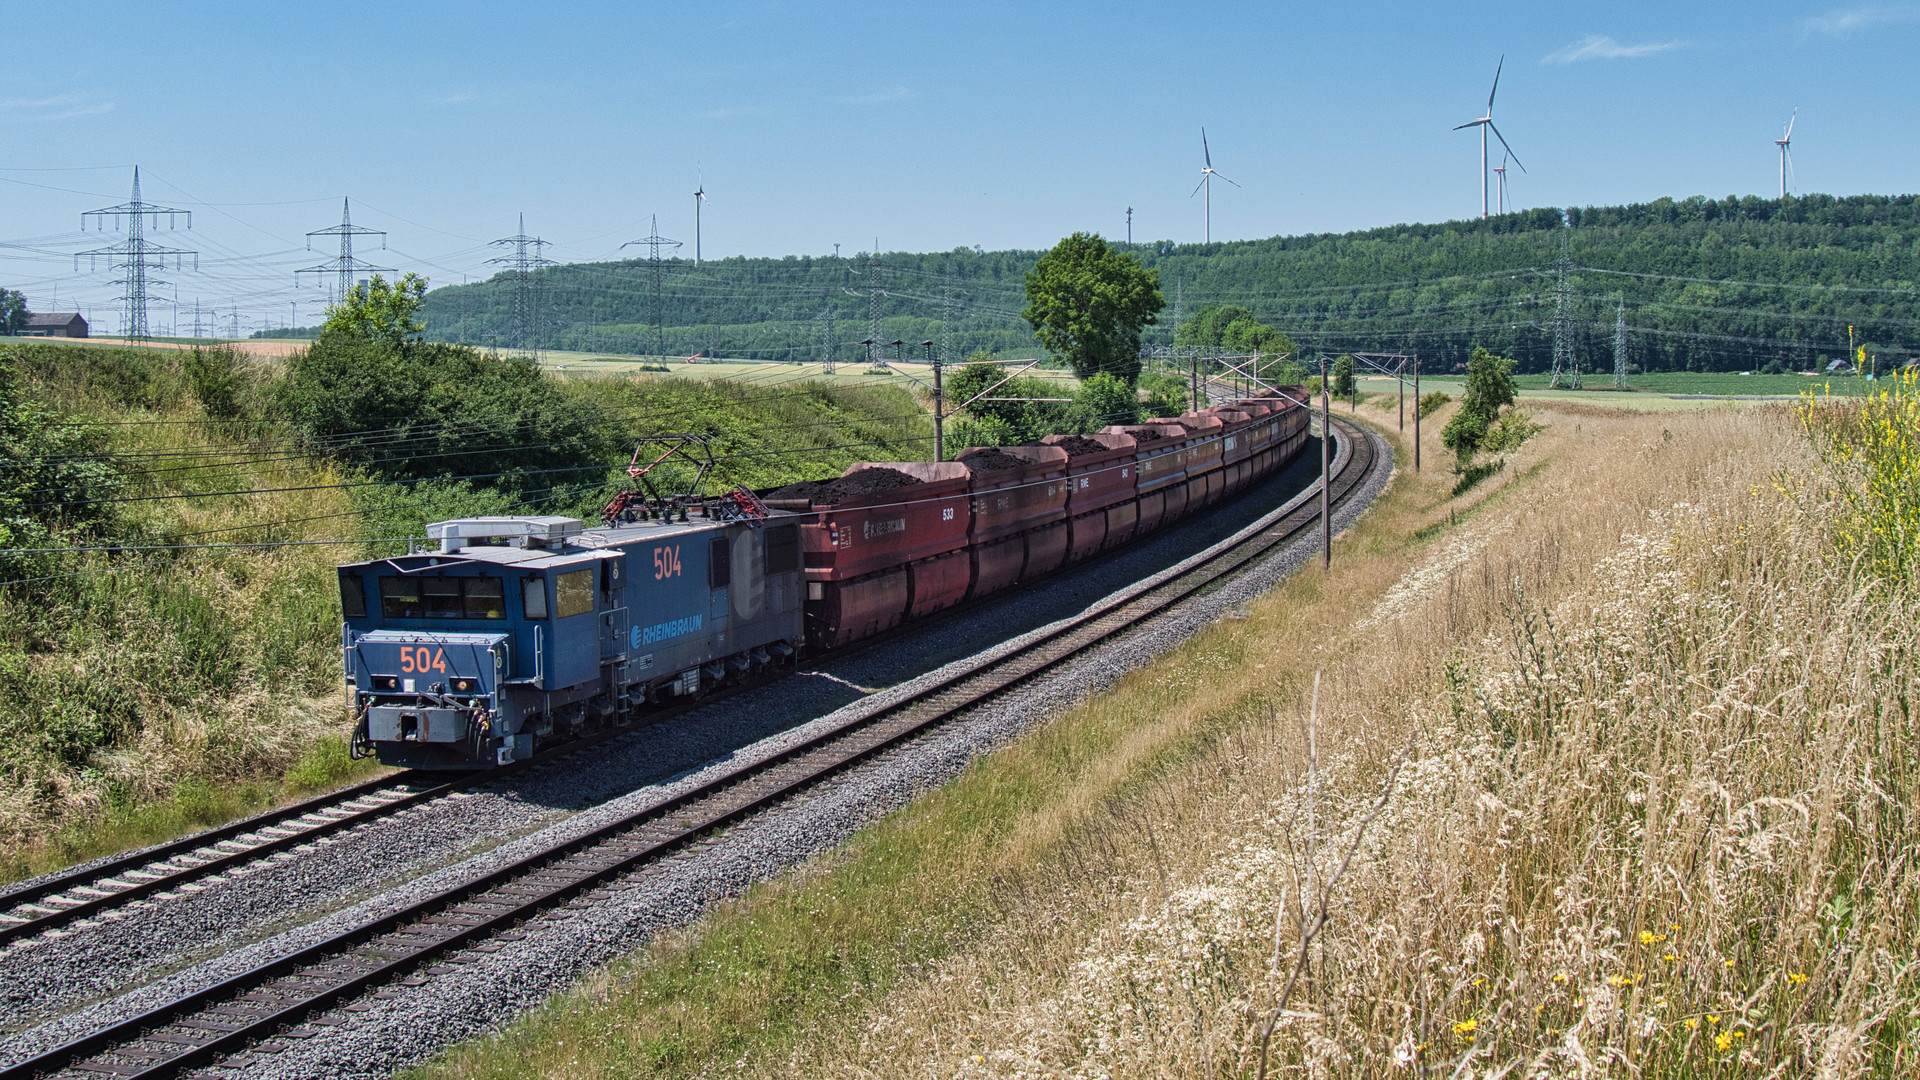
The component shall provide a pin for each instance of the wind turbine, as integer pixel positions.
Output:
(1785, 143)
(1500, 187)
(1207, 173)
(1485, 124)
(699, 196)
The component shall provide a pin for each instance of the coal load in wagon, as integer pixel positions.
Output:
(835, 491)
(1144, 435)
(992, 460)
(1078, 446)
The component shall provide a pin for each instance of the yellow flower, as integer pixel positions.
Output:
(1729, 963)
(1465, 1027)
(1723, 1042)
(1693, 1023)
(1648, 937)
(1796, 978)
(1670, 956)
(1712, 1019)
(1616, 980)
(1739, 1034)
(1560, 978)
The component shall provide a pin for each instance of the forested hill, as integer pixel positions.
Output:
(1701, 285)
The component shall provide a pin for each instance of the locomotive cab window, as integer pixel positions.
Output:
(533, 597)
(440, 598)
(573, 593)
(353, 596)
(485, 597)
(719, 562)
(400, 598)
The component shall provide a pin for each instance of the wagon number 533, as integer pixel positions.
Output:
(423, 659)
(666, 562)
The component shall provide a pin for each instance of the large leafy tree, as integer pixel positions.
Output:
(1489, 389)
(370, 392)
(1088, 303)
(378, 311)
(1207, 327)
(13, 311)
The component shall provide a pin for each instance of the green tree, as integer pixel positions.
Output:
(1249, 335)
(1013, 420)
(370, 392)
(1489, 389)
(378, 311)
(1167, 394)
(1207, 327)
(1344, 385)
(1101, 400)
(1087, 304)
(13, 311)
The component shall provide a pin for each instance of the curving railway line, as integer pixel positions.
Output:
(290, 997)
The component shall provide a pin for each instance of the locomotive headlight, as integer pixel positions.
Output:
(386, 682)
(463, 686)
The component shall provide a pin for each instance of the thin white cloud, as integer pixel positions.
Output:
(1598, 47)
(456, 99)
(894, 94)
(1847, 20)
(61, 107)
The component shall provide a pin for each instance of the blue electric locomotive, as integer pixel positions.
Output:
(520, 628)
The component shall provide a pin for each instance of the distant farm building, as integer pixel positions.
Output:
(55, 324)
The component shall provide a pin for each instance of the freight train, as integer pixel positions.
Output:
(517, 631)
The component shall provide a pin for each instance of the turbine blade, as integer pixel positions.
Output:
(1223, 176)
(1792, 180)
(1204, 151)
(1503, 143)
(1796, 115)
(1496, 83)
(1198, 186)
(1468, 124)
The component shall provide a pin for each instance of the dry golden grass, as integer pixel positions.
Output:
(1652, 811)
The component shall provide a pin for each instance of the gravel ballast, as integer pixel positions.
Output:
(384, 865)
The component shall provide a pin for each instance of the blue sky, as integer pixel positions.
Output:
(926, 126)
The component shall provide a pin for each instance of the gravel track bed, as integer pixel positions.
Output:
(375, 868)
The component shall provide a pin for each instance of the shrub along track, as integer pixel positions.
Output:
(207, 1026)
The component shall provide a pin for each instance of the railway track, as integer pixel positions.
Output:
(283, 1000)
(95, 889)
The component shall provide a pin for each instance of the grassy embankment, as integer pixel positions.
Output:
(143, 694)
(1646, 750)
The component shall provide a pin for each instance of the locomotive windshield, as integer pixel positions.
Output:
(442, 598)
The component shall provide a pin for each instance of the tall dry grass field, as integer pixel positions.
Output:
(1612, 776)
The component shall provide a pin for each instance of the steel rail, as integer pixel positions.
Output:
(89, 890)
(207, 1025)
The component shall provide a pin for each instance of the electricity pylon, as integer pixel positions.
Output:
(653, 242)
(136, 255)
(525, 260)
(345, 267)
